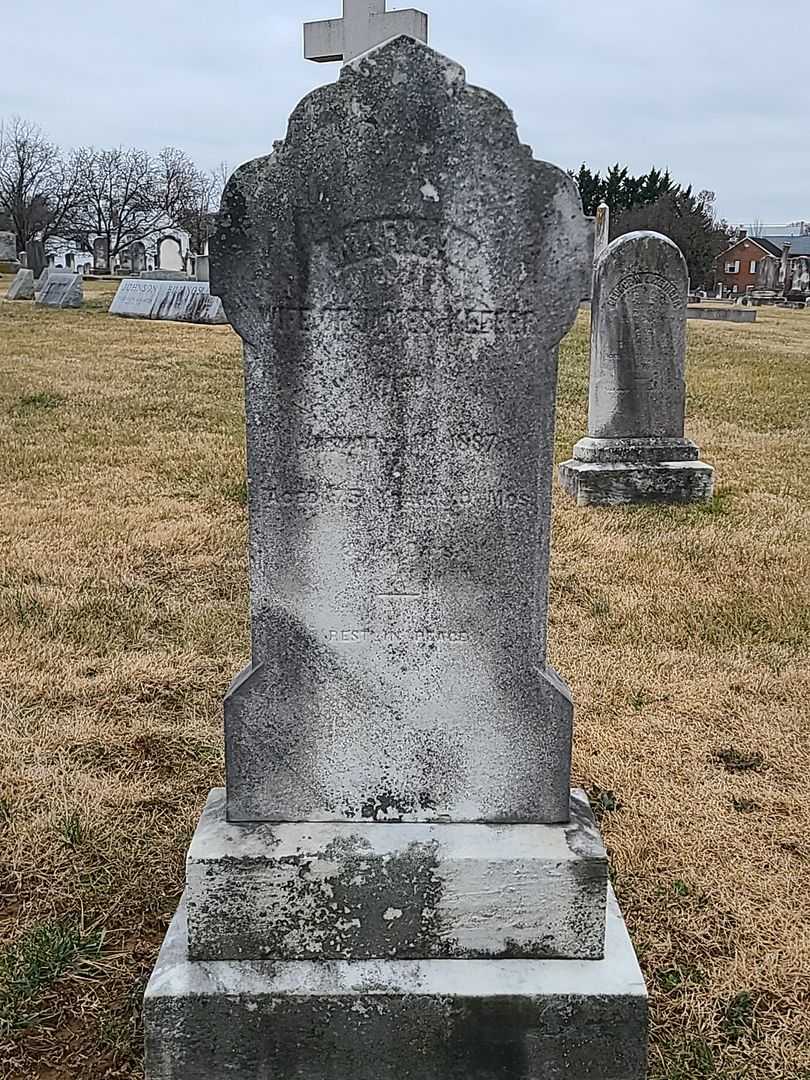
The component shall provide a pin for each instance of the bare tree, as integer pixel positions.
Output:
(27, 166)
(197, 196)
(123, 199)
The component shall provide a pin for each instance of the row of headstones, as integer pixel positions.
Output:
(152, 296)
(53, 288)
(635, 449)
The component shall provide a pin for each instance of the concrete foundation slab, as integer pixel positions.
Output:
(618, 483)
(397, 1019)
(336, 890)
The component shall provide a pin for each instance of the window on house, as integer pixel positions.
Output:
(733, 267)
(754, 265)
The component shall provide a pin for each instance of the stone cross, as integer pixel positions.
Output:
(365, 23)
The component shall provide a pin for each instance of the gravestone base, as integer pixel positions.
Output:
(9, 266)
(390, 1019)
(615, 472)
(362, 890)
(619, 484)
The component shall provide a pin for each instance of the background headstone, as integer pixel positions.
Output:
(101, 255)
(635, 450)
(8, 247)
(171, 254)
(9, 263)
(202, 271)
(35, 252)
(61, 289)
(602, 229)
(176, 301)
(164, 275)
(22, 287)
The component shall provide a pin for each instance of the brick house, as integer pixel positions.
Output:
(737, 269)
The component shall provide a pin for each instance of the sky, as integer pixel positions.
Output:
(713, 91)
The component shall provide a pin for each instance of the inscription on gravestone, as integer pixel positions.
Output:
(400, 380)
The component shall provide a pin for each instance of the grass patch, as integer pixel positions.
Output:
(32, 965)
(683, 633)
(739, 761)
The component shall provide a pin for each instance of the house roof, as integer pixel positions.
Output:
(799, 245)
(771, 243)
(761, 241)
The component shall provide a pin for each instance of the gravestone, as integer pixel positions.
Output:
(170, 254)
(60, 289)
(635, 450)
(42, 280)
(202, 268)
(101, 255)
(602, 230)
(175, 301)
(397, 879)
(9, 263)
(22, 287)
(35, 252)
(164, 275)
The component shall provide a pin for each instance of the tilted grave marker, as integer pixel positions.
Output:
(22, 287)
(175, 301)
(60, 289)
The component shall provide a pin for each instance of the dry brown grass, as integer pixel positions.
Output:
(684, 634)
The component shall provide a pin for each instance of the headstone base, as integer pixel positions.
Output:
(360, 890)
(8, 266)
(387, 1019)
(619, 483)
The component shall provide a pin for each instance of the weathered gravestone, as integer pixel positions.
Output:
(398, 880)
(22, 287)
(35, 253)
(202, 268)
(9, 263)
(177, 301)
(635, 450)
(61, 289)
(164, 275)
(602, 229)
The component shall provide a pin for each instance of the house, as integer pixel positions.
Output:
(777, 264)
(738, 268)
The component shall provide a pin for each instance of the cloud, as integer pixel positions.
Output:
(695, 87)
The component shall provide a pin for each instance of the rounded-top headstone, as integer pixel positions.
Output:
(638, 339)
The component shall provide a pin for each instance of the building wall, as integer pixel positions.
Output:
(745, 252)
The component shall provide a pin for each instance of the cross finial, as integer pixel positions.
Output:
(365, 23)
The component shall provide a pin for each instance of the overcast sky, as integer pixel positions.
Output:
(714, 90)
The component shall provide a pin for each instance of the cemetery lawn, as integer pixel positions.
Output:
(684, 633)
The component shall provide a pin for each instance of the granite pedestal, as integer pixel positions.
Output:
(611, 472)
(386, 1019)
